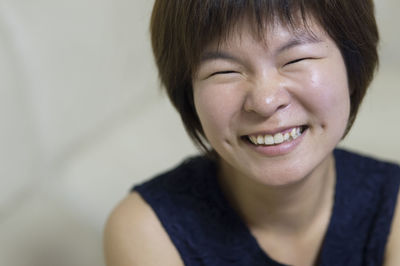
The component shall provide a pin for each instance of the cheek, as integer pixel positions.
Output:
(216, 107)
(329, 99)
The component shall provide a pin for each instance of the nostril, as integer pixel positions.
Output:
(283, 106)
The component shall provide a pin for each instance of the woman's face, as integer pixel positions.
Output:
(273, 110)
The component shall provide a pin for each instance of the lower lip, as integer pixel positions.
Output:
(280, 149)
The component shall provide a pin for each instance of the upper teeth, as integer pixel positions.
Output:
(277, 138)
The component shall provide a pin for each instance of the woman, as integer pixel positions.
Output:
(267, 89)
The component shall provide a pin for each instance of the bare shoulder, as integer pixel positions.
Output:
(392, 256)
(133, 235)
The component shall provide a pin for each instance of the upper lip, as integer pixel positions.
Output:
(274, 131)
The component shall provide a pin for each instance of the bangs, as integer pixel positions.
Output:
(181, 30)
(214, 21)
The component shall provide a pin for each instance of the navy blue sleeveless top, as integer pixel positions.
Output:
(190, 205)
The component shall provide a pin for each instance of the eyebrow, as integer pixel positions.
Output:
(298, 39)
(214, 55)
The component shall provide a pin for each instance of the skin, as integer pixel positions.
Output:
(134, 236)
(244, 87)
(262, 88)
(392, 254)
(248, 87)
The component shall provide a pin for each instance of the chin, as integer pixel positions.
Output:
(279, 179)
(286, 172)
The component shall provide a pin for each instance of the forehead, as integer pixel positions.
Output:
(223, 25)
(307, 31)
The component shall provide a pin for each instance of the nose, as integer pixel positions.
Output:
(267, 96)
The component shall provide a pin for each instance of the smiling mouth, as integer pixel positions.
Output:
(276, 139)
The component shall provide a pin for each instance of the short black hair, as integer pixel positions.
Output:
(181, 29)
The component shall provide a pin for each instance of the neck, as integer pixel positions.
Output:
(289, 209)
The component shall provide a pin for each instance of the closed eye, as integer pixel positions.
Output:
(297, 60)
(223, 72)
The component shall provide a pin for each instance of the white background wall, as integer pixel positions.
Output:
(82, 120)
